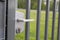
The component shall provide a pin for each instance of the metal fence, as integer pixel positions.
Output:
(9, 19)
(46, 21)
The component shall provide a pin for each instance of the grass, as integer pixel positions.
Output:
(33, 14)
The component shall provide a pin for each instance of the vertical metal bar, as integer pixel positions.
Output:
(2, 19)
(53, 21)
(11, 19)
(38, 20)
(58, 35)
(46, 19)
(27, 29)
(6, 19)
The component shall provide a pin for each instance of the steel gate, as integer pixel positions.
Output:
(7, 20)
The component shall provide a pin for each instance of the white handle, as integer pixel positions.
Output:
(25, 20)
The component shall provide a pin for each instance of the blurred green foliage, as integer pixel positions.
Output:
(22, 4)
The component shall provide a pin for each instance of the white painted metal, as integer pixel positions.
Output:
(19, 22)
(19, 26)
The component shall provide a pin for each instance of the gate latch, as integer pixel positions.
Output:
(25, 20)
(19, 22)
